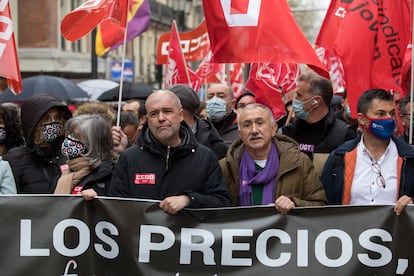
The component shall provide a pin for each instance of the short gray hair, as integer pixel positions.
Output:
(167, 92)
(95, 133)
(254, 106)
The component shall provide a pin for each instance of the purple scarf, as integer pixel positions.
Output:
(249, 175)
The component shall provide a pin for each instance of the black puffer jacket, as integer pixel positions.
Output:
(34, 168)
(323, 136)
(150, 170)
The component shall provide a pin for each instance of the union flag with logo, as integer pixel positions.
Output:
(254, 31)
(176, 66)
(270, 82)
(194, 44)
(369, 38)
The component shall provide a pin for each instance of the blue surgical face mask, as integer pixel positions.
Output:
(381, 128)
(72, 148)
(298, 109)
(216, 108)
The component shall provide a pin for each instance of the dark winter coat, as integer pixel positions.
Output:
(34, 168)
(227, 128)
(296, 177)
(208, 136)
(333, 173)
(150, 170)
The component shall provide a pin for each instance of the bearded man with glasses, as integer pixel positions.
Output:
(374, 168)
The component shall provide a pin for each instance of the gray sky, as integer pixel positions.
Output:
(309, 14)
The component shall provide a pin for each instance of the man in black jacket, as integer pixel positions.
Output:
(168, 163)
(316, 128)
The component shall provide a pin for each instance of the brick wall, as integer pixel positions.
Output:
(38, 26)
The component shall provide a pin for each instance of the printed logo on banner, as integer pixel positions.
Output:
(76, 190)
(144, 178)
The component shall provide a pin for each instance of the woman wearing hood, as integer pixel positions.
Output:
(37, 163)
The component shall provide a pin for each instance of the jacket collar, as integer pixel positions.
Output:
(148, 141)
(404, 149)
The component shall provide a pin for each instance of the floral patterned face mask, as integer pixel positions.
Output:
(51, 131)
(72, 148)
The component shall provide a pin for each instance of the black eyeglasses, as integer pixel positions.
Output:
(380, 180)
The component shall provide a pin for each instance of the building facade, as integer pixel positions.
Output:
(43, 49)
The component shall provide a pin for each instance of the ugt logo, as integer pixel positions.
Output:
(248, 19)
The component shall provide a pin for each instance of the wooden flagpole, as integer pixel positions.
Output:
(121, 82)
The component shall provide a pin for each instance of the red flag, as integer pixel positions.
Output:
(330, 25)
(372, 56)
(194, 79)
(265, 81)
(246, 31)
(220, 75)
(236, 78)
(176, 67)
(326, 40)
(207, 68)
(211, 72)
(194, 44)
(406, 69)
(109, 36)
(90, 14)
(9, 62)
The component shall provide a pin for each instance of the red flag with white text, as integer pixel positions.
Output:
(9, 61)
(371, 56)
(194, 44)
(325, 41)
(257, 31)
(90, 14)
(177, 72)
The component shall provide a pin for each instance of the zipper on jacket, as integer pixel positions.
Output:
(167, 158)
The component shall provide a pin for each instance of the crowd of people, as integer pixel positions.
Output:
(219, 152)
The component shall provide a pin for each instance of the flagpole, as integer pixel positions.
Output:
(182, 54)
(121, 83)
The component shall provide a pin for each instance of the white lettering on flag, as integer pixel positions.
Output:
(250, 19)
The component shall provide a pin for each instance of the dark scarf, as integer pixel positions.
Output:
(223, 124)
(248, 176)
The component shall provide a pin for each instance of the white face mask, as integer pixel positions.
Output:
(216, 108)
